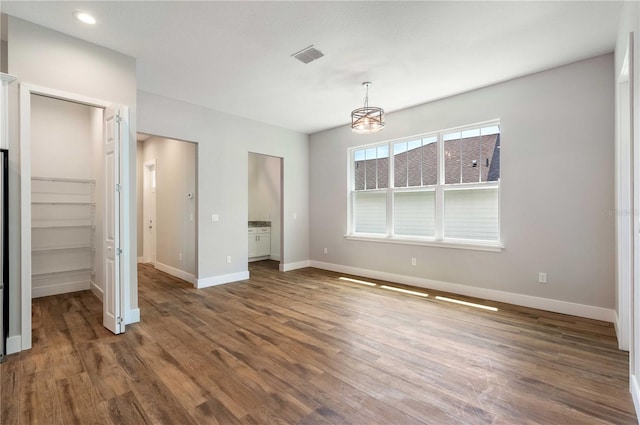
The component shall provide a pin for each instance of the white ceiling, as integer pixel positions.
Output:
(235, 56)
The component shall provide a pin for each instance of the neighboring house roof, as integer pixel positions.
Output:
(468, 160)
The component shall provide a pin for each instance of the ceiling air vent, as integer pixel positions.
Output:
(308, 54)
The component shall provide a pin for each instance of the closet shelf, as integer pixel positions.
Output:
(93, 204)
(63, 233)
(63, 226)
(62, 272)
(63, 180)
(63, 248)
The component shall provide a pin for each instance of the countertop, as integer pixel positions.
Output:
(259, 224)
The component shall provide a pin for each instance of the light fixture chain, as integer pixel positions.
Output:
(366, 96)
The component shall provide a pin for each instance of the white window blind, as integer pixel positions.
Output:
(471, 214)
(370, 212)
(414, 213)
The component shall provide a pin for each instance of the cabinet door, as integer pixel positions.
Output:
(253, 245)
(264, 245)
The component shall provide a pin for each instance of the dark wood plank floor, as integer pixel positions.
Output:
(304, 347)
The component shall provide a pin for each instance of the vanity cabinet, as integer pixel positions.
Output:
(259, 242)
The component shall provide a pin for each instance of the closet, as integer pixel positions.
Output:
(66, 163)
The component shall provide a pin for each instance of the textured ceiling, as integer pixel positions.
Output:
(235, 56)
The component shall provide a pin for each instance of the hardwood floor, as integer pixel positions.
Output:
(304, 347)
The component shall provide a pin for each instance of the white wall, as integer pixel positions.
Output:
(556, 191)
(46, 58)
(264, 195)
(224, 142)
(60, 139)
(176, 214)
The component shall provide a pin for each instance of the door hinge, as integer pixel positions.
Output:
(119, 320)
(118, 118)
(119, 187)
(118, 251)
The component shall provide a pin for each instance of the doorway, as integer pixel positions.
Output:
(168, 205)
(71, 168)
(149, 212)
(66, 170)
(265, 207)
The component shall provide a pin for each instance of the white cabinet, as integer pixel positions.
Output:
(263, 245)
(259, 242)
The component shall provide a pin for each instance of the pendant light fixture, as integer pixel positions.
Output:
(368, 119)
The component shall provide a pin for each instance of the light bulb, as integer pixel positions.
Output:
(84, 17)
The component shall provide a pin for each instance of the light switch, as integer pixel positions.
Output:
(215, 217)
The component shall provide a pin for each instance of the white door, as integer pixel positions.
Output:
(149, 212)
(112, 306)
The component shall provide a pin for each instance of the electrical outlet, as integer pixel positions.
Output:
(228, 259)
(413, 262)
(215, 217)
(542, 277)
(180, 256)
(325, 251)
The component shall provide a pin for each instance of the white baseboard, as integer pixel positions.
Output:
(63, 288)
(221, 279)
(140, 259)
(14, 344)
(556, 306)
(97, 291)
(180, 274)
(264, 257)
(635, 393)
(293, 266)
(132, 316)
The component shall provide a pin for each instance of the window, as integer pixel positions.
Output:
(441, 188)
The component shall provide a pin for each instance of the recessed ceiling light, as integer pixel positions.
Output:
(84, 17)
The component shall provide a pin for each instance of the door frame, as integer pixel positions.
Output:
(280, 159)
(26, 90)
(624, 201)
(140, 167)
(149, 195)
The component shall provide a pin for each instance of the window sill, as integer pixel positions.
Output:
(455, 244)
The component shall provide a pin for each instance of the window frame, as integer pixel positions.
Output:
(438, 240)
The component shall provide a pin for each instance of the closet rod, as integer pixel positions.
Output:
(63, 180)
